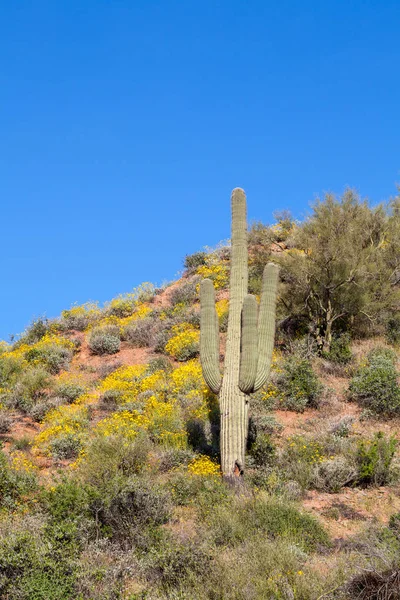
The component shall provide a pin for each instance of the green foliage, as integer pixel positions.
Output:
(339, 351)
(394, 524)
(263, 450)
(299, 385)
(393, 330)
(104, 340)
(65, 446)
(192, 261)
(53, 357)
(374, 460)
(232, 524)
(186, 293)
(69, 391)
(35, 332)
(31, 388)
(375, 384)
(5, 421)
(339, 274)
(13, 484)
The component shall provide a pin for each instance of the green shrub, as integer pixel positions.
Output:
(140, 333)
(334, 473)
(108, 457)
(185, 294)
(299, 385)
(263, 450)
(104, 340)
(69, 391)
(394, 524)
(393, 330)
(375, 385)
(274, 517)
(53, 357)
(66, 446)
(135, 503)
(192, 261)
(31, 388)
(180, 560)
(340, 351)
(13, 484)
(37, 561)
(5, 421)
(34, 332)
(374, 460)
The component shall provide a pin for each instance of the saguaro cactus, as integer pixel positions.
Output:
(249, 344)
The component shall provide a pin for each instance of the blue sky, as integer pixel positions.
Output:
(125, 125)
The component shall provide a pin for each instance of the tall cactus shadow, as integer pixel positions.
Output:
(204, 436)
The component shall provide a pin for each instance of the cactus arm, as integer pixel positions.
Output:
(266, 324)
(249, 346)
(209, 337)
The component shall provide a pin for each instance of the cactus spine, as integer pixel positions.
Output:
(249, 344)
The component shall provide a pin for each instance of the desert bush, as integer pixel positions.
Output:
(171, 458)
(32, 387)
(299, 386)
(15, 480)
(160, 363)
(185, 294)
(393, 330)
(263, 450)
(54, 357)
(5, 421)
(374, 385)
(177, 561)
(65, 446)
(394, 524)
(108, 457)
(104, 340)
(79, 317)
(39, 410)
(374, 460)
(233, 523)
(184, 344)
(35, 332)
(332, 474)
(161, 339)
(38, 560)
(135, 503)
(140, 333)
(339, 351)
(69, 389)
(192, 261)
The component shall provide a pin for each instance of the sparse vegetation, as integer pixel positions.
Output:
(110, 477)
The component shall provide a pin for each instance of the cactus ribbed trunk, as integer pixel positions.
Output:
(249, 343)
(233, 402)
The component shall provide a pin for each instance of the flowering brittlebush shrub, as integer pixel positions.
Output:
(69, 387)
(122, 323)
(185, 342)
(52, 351)
(65, 422)
(104, 340)
(203, 466)
(160, 420)
(218, 273)
(21, 463)
(130, 381)
(79, 317)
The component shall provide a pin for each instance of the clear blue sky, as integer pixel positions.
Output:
(125, 124)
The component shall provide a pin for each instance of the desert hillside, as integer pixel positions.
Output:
(110, 485)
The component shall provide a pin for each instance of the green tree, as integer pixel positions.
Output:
(344, 267)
